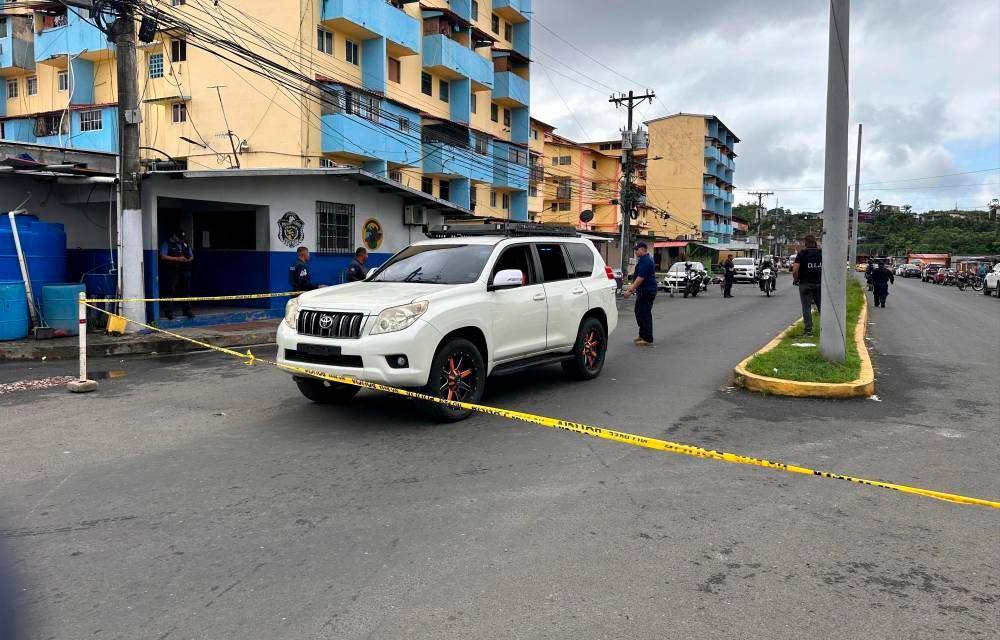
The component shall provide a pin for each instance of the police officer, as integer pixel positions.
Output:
(644, 288)
(807, 274)
(880, 279)
(728, 276)
(356, 271)
(298, 273)
(175, 264)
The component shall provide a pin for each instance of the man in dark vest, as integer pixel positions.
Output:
(175, 272)
(298, 274)
(881, 277)
(357, 271)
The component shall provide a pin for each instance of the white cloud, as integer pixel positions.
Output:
(925, 83)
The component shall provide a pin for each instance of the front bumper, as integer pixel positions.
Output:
(367, 354)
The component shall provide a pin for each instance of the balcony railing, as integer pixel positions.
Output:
(452, 59)
(712, 153)
(352, 135)
(376, 19)
(710, 189)
(441, 158)
(508, 173)
(515, 11)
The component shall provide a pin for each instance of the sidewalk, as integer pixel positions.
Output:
(99, 344)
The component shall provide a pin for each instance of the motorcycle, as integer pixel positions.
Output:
(693, 282)
(768, 281)
(966, 279)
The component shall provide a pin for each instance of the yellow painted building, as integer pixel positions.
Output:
(435, 94)
(579, 178)
(690, 164)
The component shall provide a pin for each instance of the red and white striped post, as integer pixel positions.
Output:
(82, 384)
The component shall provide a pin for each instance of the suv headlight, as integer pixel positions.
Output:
(399, 318)
(292, 312)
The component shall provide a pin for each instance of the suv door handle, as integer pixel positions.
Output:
(577, 292)
(538, 296)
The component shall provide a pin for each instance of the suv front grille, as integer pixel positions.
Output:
(326, 324)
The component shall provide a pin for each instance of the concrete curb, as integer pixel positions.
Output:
(863, 386)
(146, 345)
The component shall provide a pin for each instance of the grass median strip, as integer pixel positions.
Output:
(804, 363)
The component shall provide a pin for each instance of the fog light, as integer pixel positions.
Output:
(397, 361)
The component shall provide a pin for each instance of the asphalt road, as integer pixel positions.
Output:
(197, 498)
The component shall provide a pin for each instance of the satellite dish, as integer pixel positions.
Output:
(586, 215)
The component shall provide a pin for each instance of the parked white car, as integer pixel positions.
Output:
(746, 270)
(442, 315)
(992, 282)
(674, 279)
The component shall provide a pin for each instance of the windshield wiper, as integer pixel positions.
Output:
(413, 274)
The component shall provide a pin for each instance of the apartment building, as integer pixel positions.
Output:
(434, 94)
(536, 167)
(579, 178)
(689, 174)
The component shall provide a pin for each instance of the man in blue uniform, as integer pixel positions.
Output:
(357, 271)
(298, 274)
(644, 287)
(175, 269)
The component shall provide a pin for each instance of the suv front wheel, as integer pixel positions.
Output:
(588, 352)
(326, 392)
(457, 373)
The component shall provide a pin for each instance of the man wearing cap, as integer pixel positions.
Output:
(644, 287)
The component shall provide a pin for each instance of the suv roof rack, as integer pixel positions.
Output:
(501, 228)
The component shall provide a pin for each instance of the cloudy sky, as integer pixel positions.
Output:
(925, 82)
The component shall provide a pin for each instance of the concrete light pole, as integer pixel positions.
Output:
(833, 319)
(857, 203)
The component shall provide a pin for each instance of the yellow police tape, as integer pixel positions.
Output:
(249, 296)
(576, 427)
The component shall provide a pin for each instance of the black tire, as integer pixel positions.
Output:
(986, 290)
(589, 351)
(457, 373)
(767, 290)
(326, 392)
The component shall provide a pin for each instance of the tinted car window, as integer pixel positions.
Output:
(583, 259)
(436, 264)
(553, 262)
(516, 257)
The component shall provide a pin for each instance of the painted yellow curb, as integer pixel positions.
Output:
(863, 386)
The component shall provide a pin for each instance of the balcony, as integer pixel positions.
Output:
(451, 59)
(511, 90)
(76, 38)
(712, 153)
(712, 204)
(17, 47)
(727, 162)
(710, 190)
(453, 161)
(509, 173)
(515, 11)
(727, 196)
(357, 137)
(375, 19)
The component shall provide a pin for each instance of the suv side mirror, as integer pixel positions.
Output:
(507, 279)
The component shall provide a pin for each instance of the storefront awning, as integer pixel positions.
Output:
(672, 244)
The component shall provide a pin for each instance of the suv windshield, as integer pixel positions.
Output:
(436, 264)
(743, 261)
(679, 267)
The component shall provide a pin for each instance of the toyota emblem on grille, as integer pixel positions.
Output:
(326, 321)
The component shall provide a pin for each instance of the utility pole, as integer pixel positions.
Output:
(760, 215)
(130, 232)
(833, 332)
(853, 260)
(229, 132)
(626, 200)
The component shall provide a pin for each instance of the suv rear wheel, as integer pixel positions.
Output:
(326, 392)
(588, 352)
(457, 373)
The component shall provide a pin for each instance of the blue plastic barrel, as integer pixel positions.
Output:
(14, 321)
(59, 306)
(44, 246)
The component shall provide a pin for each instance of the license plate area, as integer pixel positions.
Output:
(319, 349)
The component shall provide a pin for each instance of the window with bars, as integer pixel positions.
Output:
(32, 84)
(395, 175)
(494, 112)
(517, 155)
(155, 64)
(506, 202)
(443, 90)
(506, 117)
(482, 143)
(495, 24)
(508, 33)
(326, 163)
(364, 105)
(427, 185)
(426, 83)
(334, 227)
(91, 120)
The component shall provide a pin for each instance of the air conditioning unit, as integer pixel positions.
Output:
(415, 215)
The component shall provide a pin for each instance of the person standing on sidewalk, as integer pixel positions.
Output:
(728, 276)
(881, 277)
(298, 274)
(175, 269)
(644, 287)
(807, 272)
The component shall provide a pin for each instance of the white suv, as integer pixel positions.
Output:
(992, 282)
(745, 270)
(442, 315)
